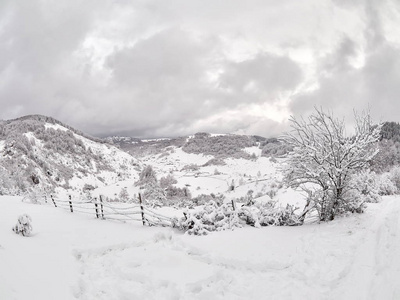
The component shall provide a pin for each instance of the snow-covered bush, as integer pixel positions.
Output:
(367, 183)
(210, 217)
(269, 214)
(167, 181)
(34, 196)
(395, 176)
(23, 226)
(175, 195)
(203, 199)
(387, 186)
(190, 167)
(153, 194)
(213, 217)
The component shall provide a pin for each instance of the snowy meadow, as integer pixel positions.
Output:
(73, 256)
(224, 216)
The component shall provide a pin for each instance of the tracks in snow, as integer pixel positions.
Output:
(375, 271)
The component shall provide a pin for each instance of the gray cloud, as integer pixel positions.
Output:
(265, 74)
(152, 68)
(343, 87)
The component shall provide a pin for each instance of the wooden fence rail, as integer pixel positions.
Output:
(105, 210)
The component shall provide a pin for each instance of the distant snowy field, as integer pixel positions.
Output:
(73, 256)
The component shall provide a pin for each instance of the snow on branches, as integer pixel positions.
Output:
(214, 217)
(324, 159)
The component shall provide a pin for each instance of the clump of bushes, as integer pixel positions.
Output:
(210, 217)
(216, 217)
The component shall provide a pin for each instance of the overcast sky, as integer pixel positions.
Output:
(160, 68)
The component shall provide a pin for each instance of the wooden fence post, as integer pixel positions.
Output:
(141, 208)
(233, 205)
(70, 204)
(54, 202)
(101, 206)
(95, 207)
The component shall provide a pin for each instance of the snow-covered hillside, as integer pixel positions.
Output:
(73, 256)
(40, 154)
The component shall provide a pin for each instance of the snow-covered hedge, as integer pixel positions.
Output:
(210, 217)
(23, 226)
(213, 217)
(269, 213)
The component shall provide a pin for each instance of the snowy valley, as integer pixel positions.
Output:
(76, 255)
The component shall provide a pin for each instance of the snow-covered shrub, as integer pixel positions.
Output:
(395, 176)
(23, 226)
(153, 194)
(367, 183)
(387, 186)
(167, 181)
(88, 187)
(210, 217)
(217, 172)
(190, 167)
(203, 199)
(269, 214)
(34, 196)
(175, 195)
(272, 193)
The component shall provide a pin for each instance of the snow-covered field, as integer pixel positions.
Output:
(72, 256)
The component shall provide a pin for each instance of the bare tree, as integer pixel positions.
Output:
(324, 158)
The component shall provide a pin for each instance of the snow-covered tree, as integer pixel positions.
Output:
(324, 158)
(147, 175)
(124, 195)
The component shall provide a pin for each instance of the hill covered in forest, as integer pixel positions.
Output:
(39, 153)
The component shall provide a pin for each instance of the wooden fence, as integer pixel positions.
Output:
(119, 212)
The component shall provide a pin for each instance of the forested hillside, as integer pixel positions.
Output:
(40, 153)
(389, 148)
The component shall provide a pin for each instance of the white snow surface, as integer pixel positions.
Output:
(75, 256)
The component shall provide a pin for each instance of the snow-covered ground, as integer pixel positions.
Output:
(73, 256)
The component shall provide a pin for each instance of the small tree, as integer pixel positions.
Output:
(124, 195)
(324, 158)
(146, 175)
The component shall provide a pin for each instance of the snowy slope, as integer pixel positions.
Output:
(42, 155)
(72, 256)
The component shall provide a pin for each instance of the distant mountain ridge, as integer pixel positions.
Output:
(218, 145)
